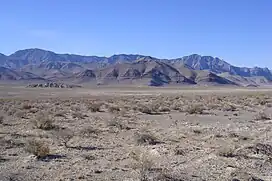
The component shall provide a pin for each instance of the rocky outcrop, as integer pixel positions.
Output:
(53, 85)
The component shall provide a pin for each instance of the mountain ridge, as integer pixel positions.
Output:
(48, 64)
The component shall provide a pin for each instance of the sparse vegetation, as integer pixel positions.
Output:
(179, 151)
(164, 142)
(195, 109)
(90, 131)
(118, 123)
(261, 116)
(79, 115)
(144, 161)
(65, 135)
(38, 148)
(226, 152)
(44, 122)
(2, 119)
(145, 137)
(114, 109)
(144, 109)
(26, 106)
(89, 157)
(94, 107)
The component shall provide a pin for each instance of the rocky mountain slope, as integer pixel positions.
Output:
(32, 64)
(7, 74)
(217, 65)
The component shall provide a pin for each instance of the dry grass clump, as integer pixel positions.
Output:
(20, 114)
(95, 107)
(89, 157)
(146, 137)
(2, 118)
(179, 151)
(197, 131)
(261, 148)
(195, 109)
(44, 122)
(229, 107)
(114, 109)
(26, 106)
(164, 109)
(89, 131)
(261, 116)
(64, 136)
(79, 115)
(118, 123)
(261, 100)
(144, 161)
(144, 109)
(227, 152)
(38, 148)
(176, 106)
(10, 143)
(60, 114)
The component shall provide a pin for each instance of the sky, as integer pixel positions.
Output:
(238, 31)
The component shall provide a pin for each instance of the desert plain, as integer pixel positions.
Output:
(134, 133)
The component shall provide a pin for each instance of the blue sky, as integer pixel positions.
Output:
(239, 31)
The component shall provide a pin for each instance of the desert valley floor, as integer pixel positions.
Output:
(135, 133)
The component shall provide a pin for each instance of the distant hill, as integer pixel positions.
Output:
(218, 66)
(128, 69)
(7, 74)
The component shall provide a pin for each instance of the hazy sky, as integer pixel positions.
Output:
(239, 31)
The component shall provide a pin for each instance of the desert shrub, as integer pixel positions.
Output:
(60, 114)
(64, 135)
(213, 106)
(79, 115)
(26, 106)
(145, 137)
(269, 105)
(155, 106)
(197, 131)
(195, 109)
(226, 152)
(176, 106)
(124, 113)
(44, 122)
(113, 109)
(75, 108)
(33, 110)
(37, 148)
(262, 100)
(10, 143)
(89, 157)
(89, 131)
(229, 107)
(20, 114)
(118, 123)
(261, 116)
(165, 174)
(179, 151)
(2, 118)
(95, 107)
(164, 109)
(144, 161)
(261, 148)
(144, 109)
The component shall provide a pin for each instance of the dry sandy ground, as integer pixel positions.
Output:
(135, 133)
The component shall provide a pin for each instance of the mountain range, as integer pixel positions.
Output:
(42, 65)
